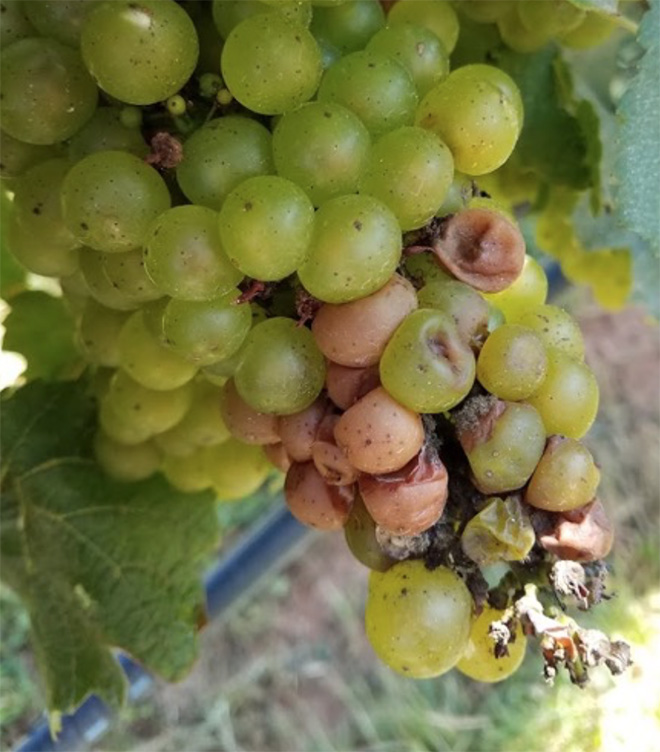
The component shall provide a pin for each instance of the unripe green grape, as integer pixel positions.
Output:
(438, 16)
(469, 310)
(235, 469)
(37, 205)
(501, 531)
(503, 444)
(121, 428)
(184, 257)
(15, 24)
(227, 14)
(126, 462)
(484, 11)
(266, 227)
(410, 170)
(592, 31)
(512, 363)
(423, 269)
(477, 112)
(323, 147)
(105, 131)
(360, 535)
(131, 117)
(426, 365)
(151, 410)
(479, 661)
(127, 275)
(205, 331)
(553, 16)
(100, 288)
(556, 328)
(348, 26)
(354, 250)
(17, 156)
(220, 155)
(188, 474)
(98, 333)
(517, 36)
(271, 65)
(568, 398)
(176, 105)
(566, 477)
(375, 87)
(175, 442)
(418, 621)
(110, 198)
(526, 293)
(46, 93)
(158, 44)
(150, 363)
(203, 424)
(418, 49)
(281, 371)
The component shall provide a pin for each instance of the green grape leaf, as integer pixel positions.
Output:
(40, 327)
(98, 564)
(638, 164)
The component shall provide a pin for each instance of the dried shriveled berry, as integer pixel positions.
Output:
(244, 422)
(298, 431)
(329, 459)
(584, 534)
(315, 503)
(481, 247)
(355, 334)
(347, 385)
(410, 500)
(378, 434)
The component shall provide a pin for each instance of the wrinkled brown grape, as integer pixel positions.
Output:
(314, 502)
(298, 431)
(345, 386)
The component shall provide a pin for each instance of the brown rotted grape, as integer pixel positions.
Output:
(298, 431)
(346, 385)
(315, 503)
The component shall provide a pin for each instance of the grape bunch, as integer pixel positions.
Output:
(267, 220)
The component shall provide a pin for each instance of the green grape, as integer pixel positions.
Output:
(595, 29)
(203, 424)
(150, 363)
(354, 251)
(46, 95)
(16, 156)
(175, 442)
(517, 36)
(46, 259)
(503, 446)
(110, 198)
(100, 288)
(59, 19)
(105, 131)
(410, 170)
(235, 469)
(15, 24)
(98, 333)
(477, 112)
(568, 398)
(210, 41)
(323, 147)
(348, 26)
(556, 328)
(375, 87)
(436, 15)
(479, 661)
(459, 195)
(484, 11)
(360, 535)
(121, 429)
(221, 155)
(281, 370)
(329, 54)
(501, 531)
(126, 462)
(526, 293)
(37, 204)
(266, 227)
(512, 363)
(423, 269)
(131, 117)
(158, 44)
(127, 275)
(426, 365)
(188, 474)
(153, 411)
(271, 65)
(176, 105)
(184, 257)
(566, 477)
(464, 304)
(227, 14)
(418, 49)
(204, 332)
(553, 16)
(153, 313)
(418, 621)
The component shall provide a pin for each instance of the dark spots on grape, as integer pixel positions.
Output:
(357, 224)
(404, 591)
(84, 226)
(247, 206)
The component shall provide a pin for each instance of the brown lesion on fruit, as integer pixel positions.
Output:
(476, 419)
(584, 534)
